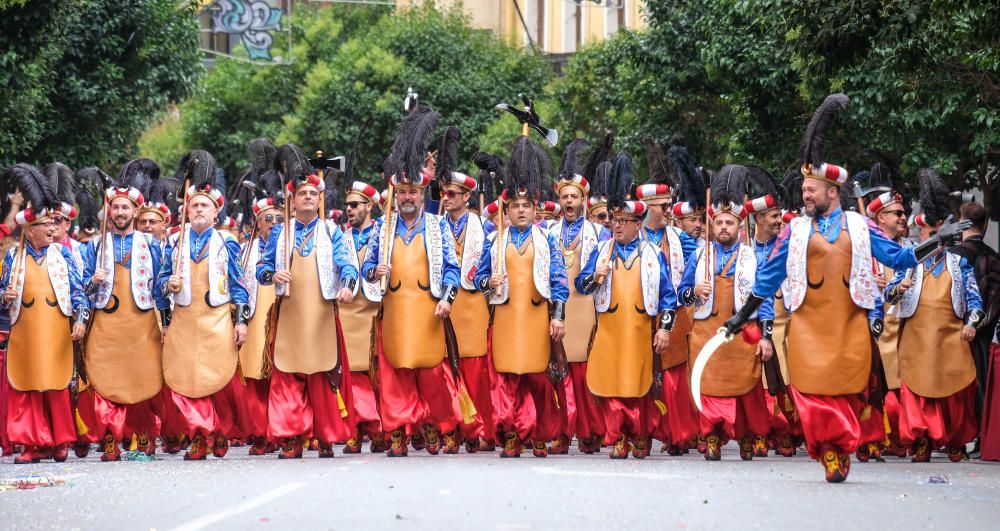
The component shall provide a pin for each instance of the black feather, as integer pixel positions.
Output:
(199, 167)
(491, 174)
(523, 172)
(90, 185)
(139, 174)
(447, 159)
(292, 164)
(884, 172)
(792, 186)
(690, 179)
(619, 181)
(601, 153)
(933, 196)
(760, 182)
(729, 185)
(811, 148)
(409, 150)
(37, 190)
(61, 179)
(570, 163)
(262, 153)
(656, 160)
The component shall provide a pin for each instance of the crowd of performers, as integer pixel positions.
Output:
(511, 312)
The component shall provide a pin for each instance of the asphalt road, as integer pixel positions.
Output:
(481, 491)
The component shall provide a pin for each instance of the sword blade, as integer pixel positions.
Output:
(702, 360)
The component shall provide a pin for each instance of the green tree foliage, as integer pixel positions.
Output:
(80, 80)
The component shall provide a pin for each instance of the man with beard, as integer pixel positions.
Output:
(123, 349)
(522, 272)
(577, 238)
(201, 338)
(358, 319)
(309, 262)
(419, 269)
(48, 311)
(717, 282)
(470, 313)
(625, 275)
(813, 256)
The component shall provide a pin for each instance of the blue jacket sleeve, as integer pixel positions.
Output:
(588, 269)
(90, 261)
(773, 272)
(266, 262)
(166, 269)
(973, 300)
(372, 251)
(452, 274)
(889, 252)
(158, 297)
(604, 233)
(8, 263)
(687, 279)
(557, 271)
(340, 256)
(688, 244)
(237, 289)
(75, 284)
(668, 297)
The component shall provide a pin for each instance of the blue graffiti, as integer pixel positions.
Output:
(253, 21)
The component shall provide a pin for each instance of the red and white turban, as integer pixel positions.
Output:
(634, 208)
(883, 200)
(208, 191)
(550, 207)
(761, 204)
(311, 180)
(826, 172)
(128, 192)
(732, 209)
(365, 191)
(650, 192)
(261, 205)
(577, 181)
(30, 216)
(686, 210)
(462, 180)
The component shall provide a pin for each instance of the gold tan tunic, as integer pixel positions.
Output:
(779, 333)
(621, 361)
(253, 350)
(734, 369)
(199, 354)
(412, 336)
(356, 319)
(521, 326)
(680, 338)
(829, 345)
(470, 314)
(933, 360)
(306, 339)
(888, 344)
(40, 349)
(581, 316)
(123, 351)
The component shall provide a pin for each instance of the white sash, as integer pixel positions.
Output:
(218, 270)
(370, 289)
(540, 264)
(141, 271)
(58, 270)
(743, 280)
(649, 275)
(911, 299)
(472, 250)
(250, 273)
(588, 236)
(329, 273)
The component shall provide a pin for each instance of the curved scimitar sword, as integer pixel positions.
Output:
(719, 339)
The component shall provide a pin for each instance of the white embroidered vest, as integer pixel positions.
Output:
(58, 269)
(433, 245)
(472, 250)
(863, 287)
(250, 273)
(74, 249)
(589, 236)
(539, 268)
(911, 299)
(371, 289)
(743, 280)
(141, 271)
(218, 270)
(649, 275)
(329, 273)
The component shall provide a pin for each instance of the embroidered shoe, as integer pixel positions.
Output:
(560, 446)
(760, 446)
(922, 450)
(377, 444)
(451, 442)
(833, 465)
(326, 450)
(472, 445)
(111, 451)
(713, 449)
(641, 447)
(291, 449)
(221, 446)
(621, 449)
(511, 446)
(957, 454)
(353, 446)
(81, 449)
(787, 446)
(198, 449)
(539, 449)
(746, 448)
(397, 444)
(432, 440)
(259, 446)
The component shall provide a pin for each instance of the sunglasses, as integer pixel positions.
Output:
(271, 218)
(58, 219)
(353, 204)
(451, 194)
(602, 217)
(617, 221)
(897, 213)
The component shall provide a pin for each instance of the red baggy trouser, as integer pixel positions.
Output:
(829, 421)
(734, 417)
(305, 405)
(583, 417)
(528, 405)
(476, 375)
(102, 416)
(990, 434)
(948, 421)
(632, 417)
(365, 404)
(681, 422)
(251, 410)
(40, 418)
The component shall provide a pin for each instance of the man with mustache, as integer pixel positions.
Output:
(48, 312)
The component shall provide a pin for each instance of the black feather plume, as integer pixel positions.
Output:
(199, 167)
(409, 150)
(570, 163)
(447, 159)
(811, 148)
(62, 181)
(90, 185)
(601, 153)
(139, 174)
(619, 181)
(729, 185)
(692, 183)
(760, 182)
(659, 169)
(36, 189)
(491, 174)
(262, 153)
(292, 164)
(933, 196)
(523, 170)
(792, 186)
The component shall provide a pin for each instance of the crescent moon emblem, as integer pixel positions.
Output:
(816, 285)
(113, 308)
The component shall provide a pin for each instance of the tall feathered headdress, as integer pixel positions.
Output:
(62, 181)
(811, 149)
(133, 181)
(446, 166)
(90, 185)
(878, 186)
(934, 207)
(792, 186)
(293, 166)
(199, 167)
(39, 195)
(409, 155)
(262, 153)
(692, 183)
(620, 188)
(762, 191)
(491, 174)
(657, 188)
(598, 179)
(524, 171)
(571, 171)
(729, 187)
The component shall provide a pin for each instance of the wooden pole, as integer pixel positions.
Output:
(387, 235)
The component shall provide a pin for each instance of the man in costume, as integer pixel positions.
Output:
(123, 351)
(470, 312)
(312, 271)
(62, 181)
(522, 271)
(689, 210)
(577, 239)
(817, 254)
(358, 318)
(202, 272)
(939, 310)
(680, 423)
(255, 382)
(623, 372)
(48, 310)
(412, 253)
(717, 282)
(597, 203)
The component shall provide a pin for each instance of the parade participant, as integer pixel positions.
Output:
(122, 351)
(939, 310)
(89, 200)
(490, 185)
(62, 181)
(310, 267)
(358, 317)
(48, 310)
(412, 254)
(689, 211)
(681, 423)
(11, 202)
(547, 213)
(577, 238)
(764, 203)
(717, 282)
(815, 253)
(155, 214)
(201, 271)
(255, 382)
(521, 270)
(470, 313)
(623, 371)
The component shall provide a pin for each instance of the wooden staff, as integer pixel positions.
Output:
(246, 251)
(178, 251)
(388, 233)
(709, 270)
(19, 257)
(500, 256)
(288, 238)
